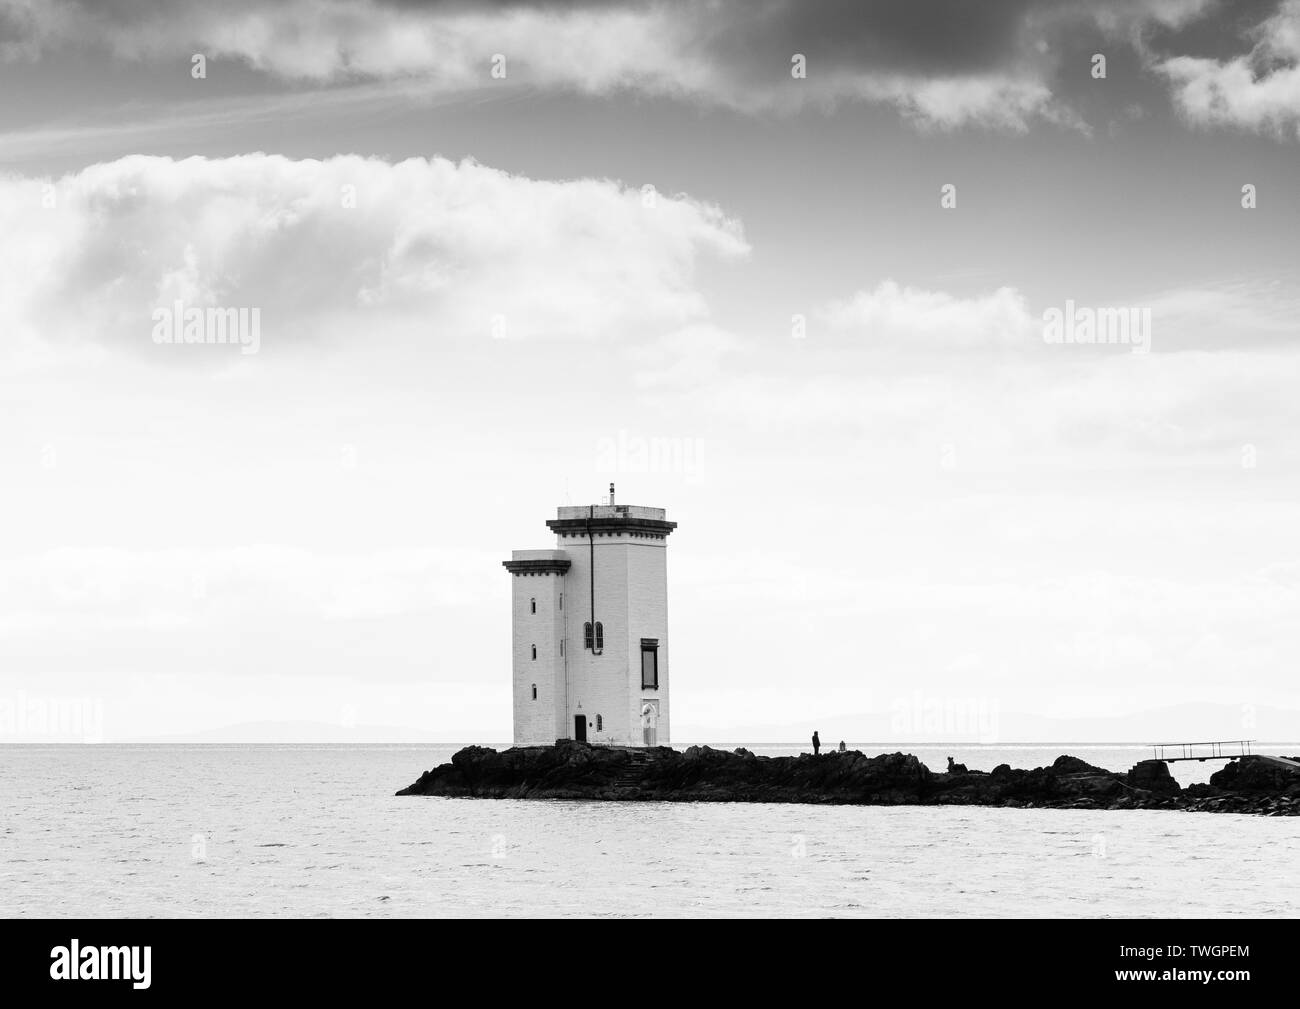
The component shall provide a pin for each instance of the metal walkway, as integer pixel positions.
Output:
(1202, 751)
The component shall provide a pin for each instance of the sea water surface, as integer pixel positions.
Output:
(315, 831)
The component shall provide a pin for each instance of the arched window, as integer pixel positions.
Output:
(534, 691)
(600, 636)
(533, 603)
(534, 653)
(600, 724)
(586, 635)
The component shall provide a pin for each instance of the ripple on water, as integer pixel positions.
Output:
(345, 839)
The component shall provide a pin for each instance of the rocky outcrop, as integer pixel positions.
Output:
(1154, 776)
(1256, 774)
(571, 770)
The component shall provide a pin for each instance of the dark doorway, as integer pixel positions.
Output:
(580, 728)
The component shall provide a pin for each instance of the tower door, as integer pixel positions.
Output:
(580, 728)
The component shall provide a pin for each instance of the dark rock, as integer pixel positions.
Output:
(1091, 785)
(1154, 776)
(1255, 774)
(571, 770)
(1073, 765)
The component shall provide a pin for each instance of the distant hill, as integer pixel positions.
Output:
(1177, 723)
(319, 732)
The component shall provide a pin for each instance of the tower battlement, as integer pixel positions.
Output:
(606, 520)
(603, 511)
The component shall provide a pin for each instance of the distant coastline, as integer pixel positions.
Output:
(1192, 720)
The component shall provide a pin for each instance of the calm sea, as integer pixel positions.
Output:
(235, 831)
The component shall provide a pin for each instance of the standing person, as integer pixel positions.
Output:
(817, 743)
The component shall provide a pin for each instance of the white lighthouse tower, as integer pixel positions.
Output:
(591, 629)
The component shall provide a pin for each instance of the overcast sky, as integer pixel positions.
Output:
(474, 309)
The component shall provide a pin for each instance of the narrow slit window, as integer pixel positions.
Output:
(649, 664)
(534, 691)
(600, 723)
(533, 604)
(534, 653)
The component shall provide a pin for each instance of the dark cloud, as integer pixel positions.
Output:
(923, 37)
(945, 62)
(1222, 33)
(942, 37)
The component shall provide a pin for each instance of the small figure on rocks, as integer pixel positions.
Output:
(817, 743)
(950, 765)
(842, 746)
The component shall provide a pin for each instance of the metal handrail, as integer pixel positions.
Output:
(1210, 742)
(1216, 749)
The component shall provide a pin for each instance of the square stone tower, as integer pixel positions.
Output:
(590, 629)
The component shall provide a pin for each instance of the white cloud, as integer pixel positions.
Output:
(439, 248)
(100, 590)
(991, 100)
(909, 316)
(1257, 91)
(1259, 313)
(920, 379)
(1129, 18)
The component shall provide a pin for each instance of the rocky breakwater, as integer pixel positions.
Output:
(570, 770)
